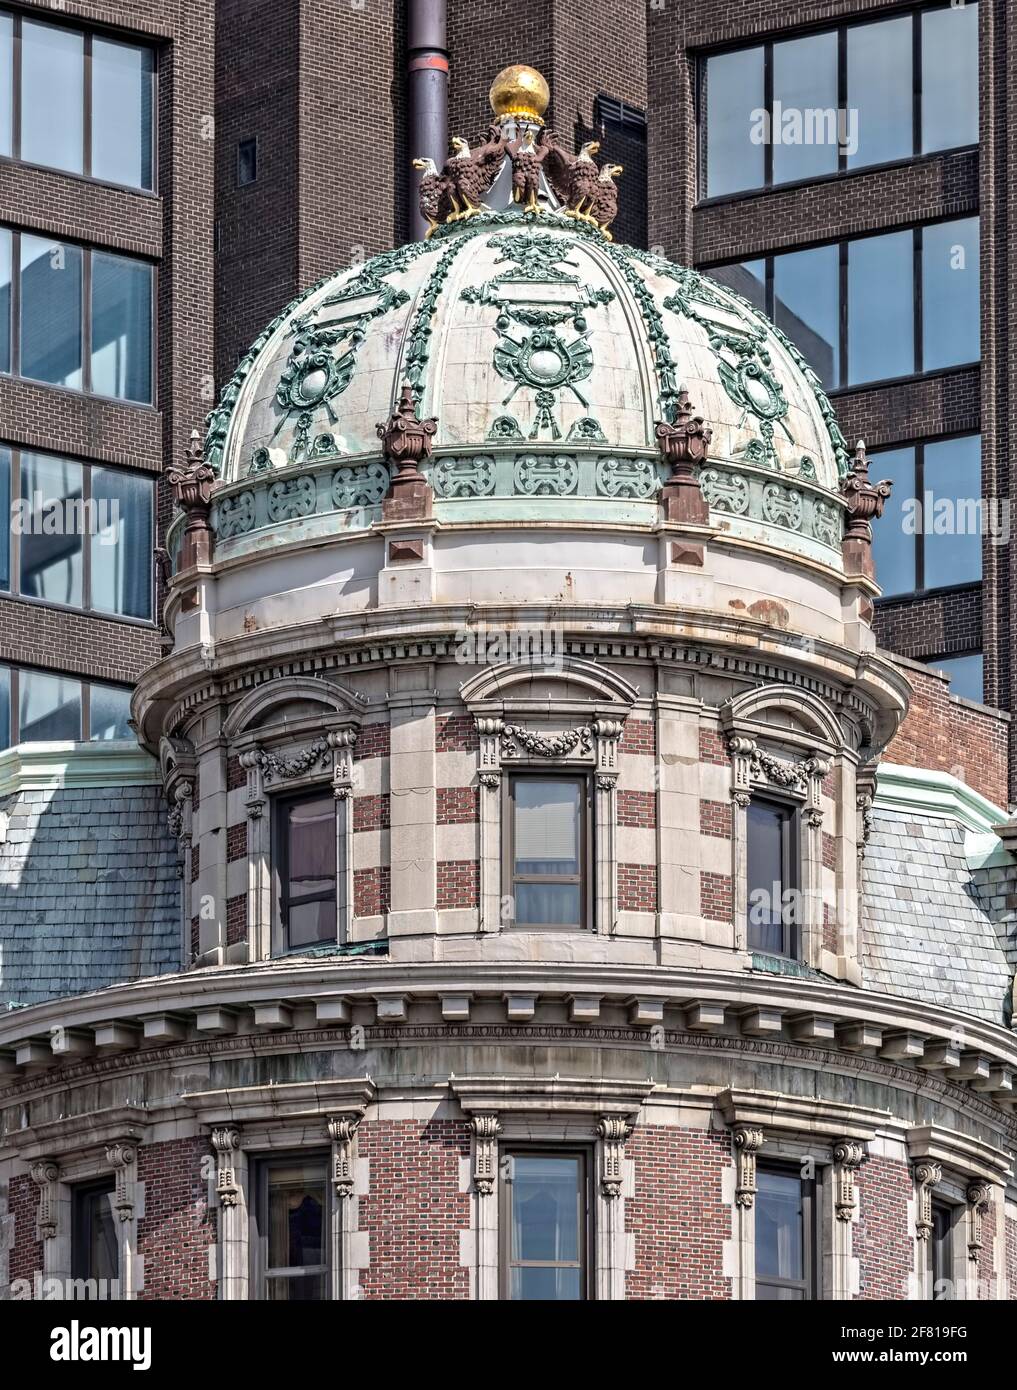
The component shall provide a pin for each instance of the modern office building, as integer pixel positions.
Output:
(526, 828)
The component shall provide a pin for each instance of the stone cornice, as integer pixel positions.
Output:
(75, 1134)
(800, 1114)
(300, 1100)
(548, 1095)
(46, 766)
(959, 1152)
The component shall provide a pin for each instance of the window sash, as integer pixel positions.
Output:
(580, 880)
(83, 1200)
(287, 901)
(790, 877)
(919, 104)
(811, 1218)
(12, 679)
(147, 138)
(508, 1262)
(262, 1271)
(940, 1255)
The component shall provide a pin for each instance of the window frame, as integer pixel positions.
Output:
(842, 171)
(250, 140)
(89, 34)
(260, 1272)
(12, 591)
(80, 1243)
(584, 1196)
(85, 683)
(14, 325)
(940, 1254)
(921, 590)
(811, 1283)
(585, 876)
(843, 385)
(791, 850)
(281, 806)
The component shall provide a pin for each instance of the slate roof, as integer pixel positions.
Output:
(89, 892)
(925, 931)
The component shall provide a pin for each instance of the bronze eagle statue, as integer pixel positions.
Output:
(573, 177)
(604, 208)
(457, 191)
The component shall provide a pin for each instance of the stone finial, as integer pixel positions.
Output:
(865, 501)
(407, 441)
(192, 484)
(684, 445)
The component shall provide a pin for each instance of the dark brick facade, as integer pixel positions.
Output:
(637, 887)
(881, 1242)
(458, 883)
(177, 1229)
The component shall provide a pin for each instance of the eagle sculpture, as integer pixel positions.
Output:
(604, 208)
(458, 190)
(573, 177)
(527, 161)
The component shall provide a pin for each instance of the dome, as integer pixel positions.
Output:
(547, 355)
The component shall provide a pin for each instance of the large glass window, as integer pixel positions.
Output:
(103, 128)
(122, 82)
(734, 91)
(931, 533)
(80, 535)
(51, 311)
(109, 712)
(95, 1252)
(859, 311)
(307, 849)
(290, 1245)
(56, 281)
(950, 294)
(856, 96)
(548, 851)
(45, 707)
(49, 708)
(544, 1220)
(772, 877)
(786, 1235)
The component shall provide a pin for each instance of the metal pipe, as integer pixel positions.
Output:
(426, 91)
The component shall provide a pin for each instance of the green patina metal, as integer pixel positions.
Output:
(529, 295)
(660, 343)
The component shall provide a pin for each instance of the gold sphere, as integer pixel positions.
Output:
(520, 91)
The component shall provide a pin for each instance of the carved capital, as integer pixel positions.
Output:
(848, 1157)
(123, 1159)
(486, 1129)
(613, 1130)
(342, 1130)
(226, 1144)
(46, 1175)
(926, 1175)
(977, 1195)
(747, 1142)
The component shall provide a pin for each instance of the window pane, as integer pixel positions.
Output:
(52, 96)
(780, 1227)
(51, 526)
(548, 904)
(103, 1254)
(303, 1288)
(747, 278)
(953, 521)
(734, 90)
(121, 328)
(950, 77)
(881, 307)
(121, 543)
(5, 707)
(109, 709)
(950, 299)
(879, 90)
(894, 548)
(547, 827)
(545, 1227)
(49, 708)
(966, 673)
(805, 108)
(6, 83)
(766, 877)
(5, 510)
(122, 113)
(51, 312)
(311, 828)
(296, 1216)
(806, 306)
(6, 275)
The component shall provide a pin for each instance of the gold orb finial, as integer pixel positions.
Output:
(520, 91)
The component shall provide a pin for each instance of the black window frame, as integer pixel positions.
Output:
(249, 143)
(791, 878)
(87, 252)
(82, 1196)
(844, 385)
(88, 35)
(586, 859)
(85, 683)
(281, 806)
(261, 1165)
(843, 170)
(940, 1250)
(584, 1193)
(811, 1283)
(12, 590)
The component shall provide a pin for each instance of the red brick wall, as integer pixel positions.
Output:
(372, 893)
(678, 1215)
(458, 805)
(941, 734)
(414, 1211)
(458, 883)
(639, 736)
(1010, 1228)
(371, 813)
(456, 733)
(637, 888)
(236, 920)
(712, 749)
(880, 1240)
(716, 901)
(715, 819)
(373, 742)
(177, 1229)
(236, 842)
(236, 777)
(23, 1204)
(637, 809)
